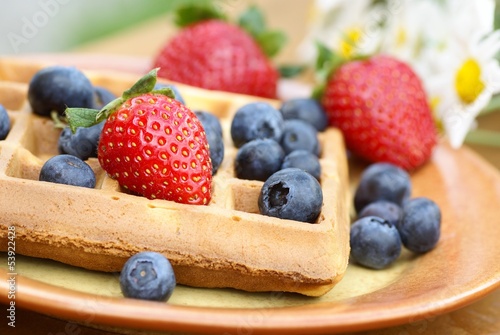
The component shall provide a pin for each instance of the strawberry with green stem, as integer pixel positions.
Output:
(152, 144)
(212, 53)
(379, 104)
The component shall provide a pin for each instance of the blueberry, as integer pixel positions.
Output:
(57, 87)
(299, 135)
(304, 160)
(208, 119)
(256, 120)
(213, 129)
(177, 93)
(420, 226)
(375, 243)
(103, 96)
(258, 159)
(305, 109)
(382, 181)
(82, 144)
(216, 147)
(291, 194)
(69, 170)
(4, 123)
(148, 275)
(386, 210)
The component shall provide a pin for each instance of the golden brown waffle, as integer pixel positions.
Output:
(224, 244)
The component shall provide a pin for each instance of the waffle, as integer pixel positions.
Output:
(225, 244)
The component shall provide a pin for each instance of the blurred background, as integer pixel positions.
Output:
(139, 29)
(124, 27)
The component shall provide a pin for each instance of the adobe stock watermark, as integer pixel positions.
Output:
(31, 25)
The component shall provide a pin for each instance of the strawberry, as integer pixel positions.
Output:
(218, 55)
(381, 108)
(152, 144)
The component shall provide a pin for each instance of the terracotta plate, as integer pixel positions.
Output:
(463, 268)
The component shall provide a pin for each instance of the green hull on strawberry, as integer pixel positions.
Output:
(152, 144)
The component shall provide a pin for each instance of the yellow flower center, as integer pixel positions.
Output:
(401, 37)
(434, 102)
(468, 81)
(349, 43)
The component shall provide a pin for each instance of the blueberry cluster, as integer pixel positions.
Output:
(55, 88)
(281, 148)
(388, 218)
(50, 92)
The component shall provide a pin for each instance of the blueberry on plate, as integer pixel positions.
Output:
(291, 194)
(147, 275)
(83, 143)
(4, 123)
(55, 88)
(208, 119)
(304, 160)
(420, 227)
(258, 159)
(177, 93)
(382, 181)
(375, 243)
(103, 96)
(256, 120)
(386, 210)
(306, 109)
(299, 135)
(69, 170)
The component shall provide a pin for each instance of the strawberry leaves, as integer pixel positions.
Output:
(188, 14)
(81, 117)
(143, 85)
(327, 62)
(252, 21)
(270, 41)
(87, 117)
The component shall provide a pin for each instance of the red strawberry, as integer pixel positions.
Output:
(380, 106)
(152, 144)
(218, 55)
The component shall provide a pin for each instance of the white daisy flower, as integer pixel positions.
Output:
(411, 27)
(459, 69)
(347, 27)
(469, 77)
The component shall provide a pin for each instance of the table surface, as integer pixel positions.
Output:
(481, 317)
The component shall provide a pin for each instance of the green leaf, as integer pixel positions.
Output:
(290, 71)
(253, 21)
(143, 85)
(81, 117)
(271, 42)
(165, 91)
(196, 12)
(107, 110)
(327, 62)
(324, 56)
